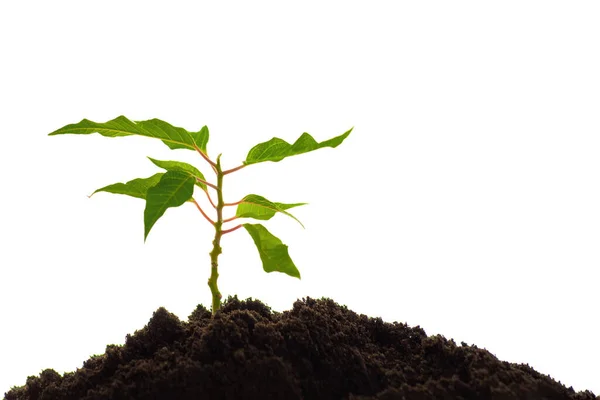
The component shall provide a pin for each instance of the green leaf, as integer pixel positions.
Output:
(135, 188)
(273, 253)
(181, 167)
(277, 149)
(257, 207)
(173, 189)
(174, 137)
(201, 138)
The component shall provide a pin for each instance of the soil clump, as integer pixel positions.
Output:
(317, 350)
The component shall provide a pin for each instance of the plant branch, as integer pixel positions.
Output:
(210, 199)
(212, 163)
(230, 219)
(233, 169)
(232, 204)
(231, 230)
(203, 213)
(207, 183)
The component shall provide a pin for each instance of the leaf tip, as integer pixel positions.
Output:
(93, 193)
(146, 230)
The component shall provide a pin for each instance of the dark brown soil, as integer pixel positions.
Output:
(318, 350)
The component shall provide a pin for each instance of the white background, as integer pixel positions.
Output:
(465, 201)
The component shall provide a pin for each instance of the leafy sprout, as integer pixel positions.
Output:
(176, 185)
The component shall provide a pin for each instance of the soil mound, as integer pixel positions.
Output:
(318, 350)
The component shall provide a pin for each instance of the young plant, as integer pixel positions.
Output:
(176, 186)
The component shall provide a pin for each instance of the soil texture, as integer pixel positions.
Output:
(317, 350)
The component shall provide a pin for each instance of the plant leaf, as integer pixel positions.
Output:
(273, 253)
(257, 207)
(173, 189)
(174, 137)
(134, 188)
(277, 149)
(182, 167)
(201, 138)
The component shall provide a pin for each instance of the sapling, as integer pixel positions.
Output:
(176, 186)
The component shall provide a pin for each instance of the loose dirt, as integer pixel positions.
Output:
(317, 350)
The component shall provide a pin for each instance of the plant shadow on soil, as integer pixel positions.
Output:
(318, 350)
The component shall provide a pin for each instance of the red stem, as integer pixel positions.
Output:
(203, 213)
(231, 230)
(233, 169)
(212, 163)
(209, 199)
(232, 204)
(229, 219)
(207, 183)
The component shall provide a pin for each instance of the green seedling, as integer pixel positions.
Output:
(176, 186)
